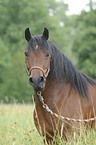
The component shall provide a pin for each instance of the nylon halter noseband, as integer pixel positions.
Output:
(39, 68)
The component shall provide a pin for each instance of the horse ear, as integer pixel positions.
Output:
(46, 33)
(27, 34)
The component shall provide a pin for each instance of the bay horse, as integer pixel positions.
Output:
(65, 90)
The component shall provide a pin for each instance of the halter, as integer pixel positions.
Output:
(39, 68)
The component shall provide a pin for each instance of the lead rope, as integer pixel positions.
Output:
(45, 106)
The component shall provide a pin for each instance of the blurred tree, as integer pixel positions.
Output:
(4, 57)
(15, 17)
(84, 42)
(63, 26)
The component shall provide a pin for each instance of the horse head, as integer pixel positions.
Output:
(37, 58)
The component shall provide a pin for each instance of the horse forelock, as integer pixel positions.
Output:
(38, 42)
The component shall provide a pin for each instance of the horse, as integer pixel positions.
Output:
(64, 90)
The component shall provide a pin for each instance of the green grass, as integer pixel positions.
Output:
(17, 128)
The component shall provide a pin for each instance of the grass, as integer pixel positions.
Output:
(17, 128)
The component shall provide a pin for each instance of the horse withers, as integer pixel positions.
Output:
(64, 91)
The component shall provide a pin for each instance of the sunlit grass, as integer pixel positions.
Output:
(17, 128)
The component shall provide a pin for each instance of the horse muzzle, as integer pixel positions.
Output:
(39, 84)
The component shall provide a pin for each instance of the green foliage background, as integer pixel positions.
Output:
(76, 39)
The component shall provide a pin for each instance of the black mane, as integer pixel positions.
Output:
(61, 68)
(64, 71)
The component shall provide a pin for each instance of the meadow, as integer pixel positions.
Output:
(17, 128)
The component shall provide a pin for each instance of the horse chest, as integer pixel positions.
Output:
(44, 122)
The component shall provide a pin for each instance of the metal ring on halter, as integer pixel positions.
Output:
(37, 67)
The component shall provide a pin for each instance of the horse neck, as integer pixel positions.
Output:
(54, 89)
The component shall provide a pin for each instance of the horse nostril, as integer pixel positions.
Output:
(31, 80)
(41, 79)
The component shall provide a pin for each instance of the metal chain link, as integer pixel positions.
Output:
(45, 106)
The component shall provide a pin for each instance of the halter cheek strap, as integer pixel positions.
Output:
(39, 68)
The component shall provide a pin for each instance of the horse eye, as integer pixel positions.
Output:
(47, 54)
(26, 54)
